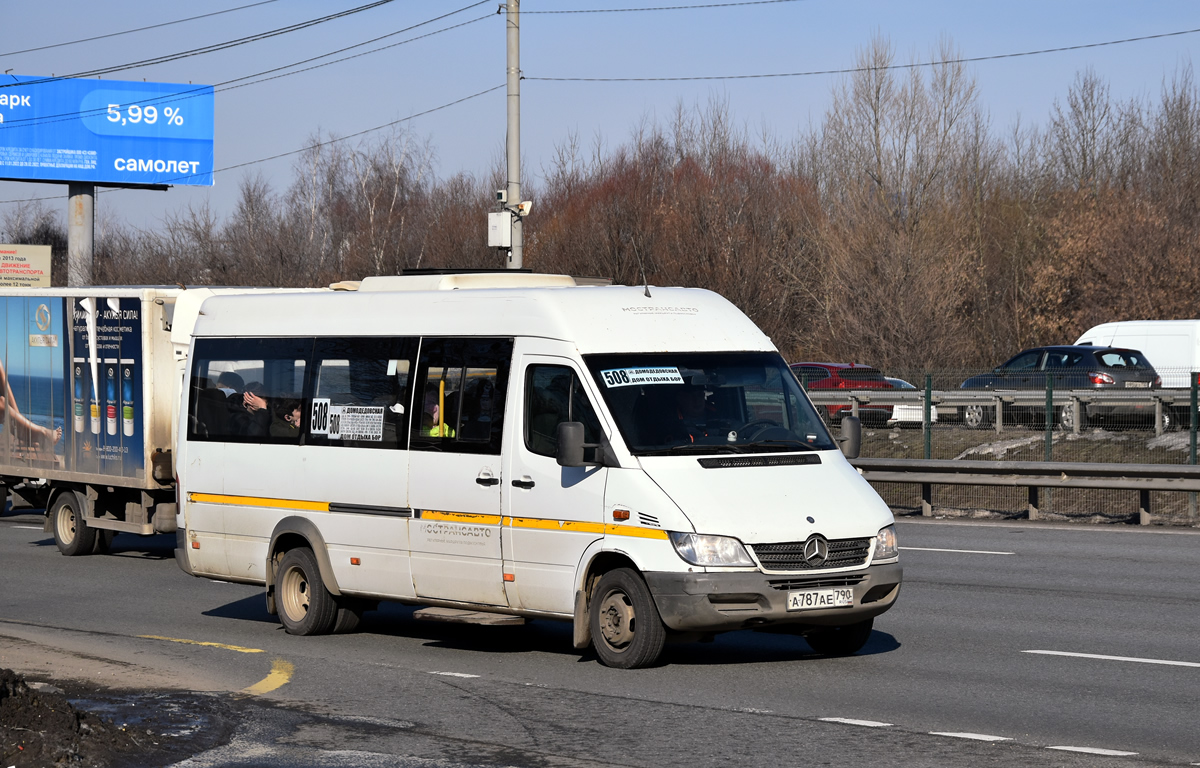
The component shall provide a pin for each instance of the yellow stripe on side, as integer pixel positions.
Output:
(255, 501)
(636, 532)
(460, 517)
(554, 525)
(579, 527)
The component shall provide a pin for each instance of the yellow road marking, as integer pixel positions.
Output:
(237, 648)
(281, 674)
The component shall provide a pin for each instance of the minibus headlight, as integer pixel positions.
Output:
(885, 544)
(700, 549)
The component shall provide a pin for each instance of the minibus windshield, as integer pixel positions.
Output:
(707, 403)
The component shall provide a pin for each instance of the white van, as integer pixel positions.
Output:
(1171, 346)
(511, 446)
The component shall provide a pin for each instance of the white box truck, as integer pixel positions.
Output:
(89, 382)
(640, 462)
(1171, 346)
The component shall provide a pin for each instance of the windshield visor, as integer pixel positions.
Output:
(704, 402)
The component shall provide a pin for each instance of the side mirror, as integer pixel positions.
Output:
(850, 439)
(570, 444)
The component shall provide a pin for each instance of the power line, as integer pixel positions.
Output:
(667, 7)
(184, 95)
(851, 70)
(292, 152)
(208, 48)
(139, 29)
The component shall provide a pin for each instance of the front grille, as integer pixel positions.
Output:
(789, 555)
(817, 582)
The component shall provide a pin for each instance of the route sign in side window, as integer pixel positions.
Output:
(240, 387)
(360, 392)
(554, 394)
(460, 390)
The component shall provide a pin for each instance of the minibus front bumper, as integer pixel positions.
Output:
(720, 602)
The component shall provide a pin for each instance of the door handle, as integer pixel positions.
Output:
(488, 480)
(524, 482)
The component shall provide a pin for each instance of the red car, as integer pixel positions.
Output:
(821, 376)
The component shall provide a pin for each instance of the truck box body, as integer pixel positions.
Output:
(1171, 346)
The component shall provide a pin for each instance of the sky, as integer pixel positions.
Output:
(418, 81)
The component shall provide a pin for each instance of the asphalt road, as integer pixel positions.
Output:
(1008, 640)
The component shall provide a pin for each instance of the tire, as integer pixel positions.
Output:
(305, 606)
(1066, 418)
(71, 533)
(627, 631)
(840, 641)
(976, 417)
(3, 498)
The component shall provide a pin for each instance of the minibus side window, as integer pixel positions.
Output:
(459, 403)
(360, 395)
(239, 388)
(554, 394)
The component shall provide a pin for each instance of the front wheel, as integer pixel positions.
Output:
(71, 533)
(976, 416)
(305, 606)
(627, 631)
(840, 641)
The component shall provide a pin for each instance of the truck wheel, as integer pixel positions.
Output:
(3, 498)
(71, 533)
(976, 417)
(103, 541)
(627, 631)
(305, 606)
(840, 641)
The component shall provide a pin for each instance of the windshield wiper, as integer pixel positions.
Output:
(689, 448)
(781, 444)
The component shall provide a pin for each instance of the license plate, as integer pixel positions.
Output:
(1137, 383)
(811, 599)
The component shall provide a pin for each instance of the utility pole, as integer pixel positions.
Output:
(513, 145)
(80, 232)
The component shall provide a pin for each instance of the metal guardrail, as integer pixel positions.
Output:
(1033, 475)
(1159, 399)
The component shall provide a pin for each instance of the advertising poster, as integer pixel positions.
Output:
(106, 387)
(33, 387)
(105, 131)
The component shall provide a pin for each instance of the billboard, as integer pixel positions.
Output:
(24, 266)
(105, 131)
(71, 380)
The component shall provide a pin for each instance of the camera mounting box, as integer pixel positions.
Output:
(500, 229)
(501, 196)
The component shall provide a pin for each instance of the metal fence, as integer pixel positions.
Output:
(940, 421)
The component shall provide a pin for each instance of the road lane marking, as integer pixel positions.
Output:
(1102, 657)
(453, 674)
(281, 674)
(851, 721)
(237, 648)
(973, 736)
(960, 551)
(1095, 751)
(29, 527)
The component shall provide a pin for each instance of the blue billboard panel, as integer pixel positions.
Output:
(105, 131)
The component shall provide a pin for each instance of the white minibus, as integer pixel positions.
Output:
(508, 446)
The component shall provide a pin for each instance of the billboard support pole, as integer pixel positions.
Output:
(81, 230)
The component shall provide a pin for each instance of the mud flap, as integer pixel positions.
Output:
(582, 637)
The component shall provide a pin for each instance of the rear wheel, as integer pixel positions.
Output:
(840, 641)
(305, 606)
(349, 615)
(976, 417)
(627, 631)
(71, 533)
(1066, 418)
